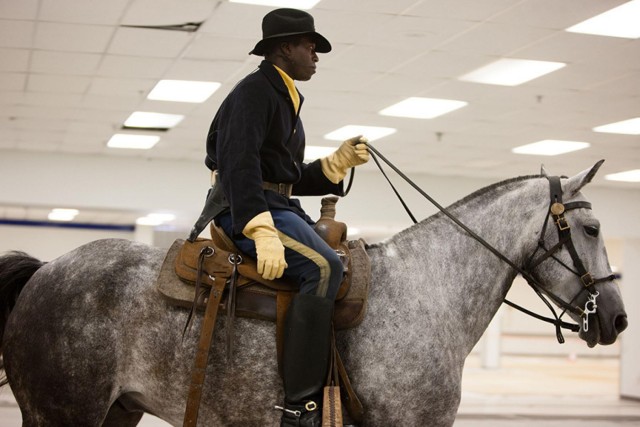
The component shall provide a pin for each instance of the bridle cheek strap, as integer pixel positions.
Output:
(557, 210)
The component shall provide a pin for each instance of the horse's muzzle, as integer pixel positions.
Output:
(620, 323)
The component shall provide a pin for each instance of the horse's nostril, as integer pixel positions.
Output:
(621, 323)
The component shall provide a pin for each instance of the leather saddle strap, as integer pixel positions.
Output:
(202, 356)
(351, 401)
(231, 305)
(205, 252)
(283, 299)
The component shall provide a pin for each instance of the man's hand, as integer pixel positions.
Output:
(353, 152)
(269, 248)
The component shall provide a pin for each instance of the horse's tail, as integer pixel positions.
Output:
(16, 268)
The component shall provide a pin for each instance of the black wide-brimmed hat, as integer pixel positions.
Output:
(289, 22)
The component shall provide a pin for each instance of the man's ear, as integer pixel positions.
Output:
(285, 49)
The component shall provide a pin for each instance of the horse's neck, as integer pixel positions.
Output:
(456, 278)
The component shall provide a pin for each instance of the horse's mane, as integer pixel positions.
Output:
(488, 189)
(464, 201)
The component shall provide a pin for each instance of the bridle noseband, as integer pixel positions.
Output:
(557, 209)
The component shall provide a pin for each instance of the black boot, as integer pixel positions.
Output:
(307, 345)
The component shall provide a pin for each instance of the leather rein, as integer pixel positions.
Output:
(557, 209)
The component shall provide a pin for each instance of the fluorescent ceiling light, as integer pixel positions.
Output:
(627, 176)
(550, 147)
(145, 220)
(62, 214)
(154, 219)
(298, 4)
(625, 127)
(183, 91)
(422, 108)
(312, 152)
(511, 72)
(622, 21)
(164, 217)
(370, 132)
(138, 142)
(143, 119)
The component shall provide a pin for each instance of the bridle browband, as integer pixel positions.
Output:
(556, 210)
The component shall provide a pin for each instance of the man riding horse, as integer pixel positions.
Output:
(255, 150)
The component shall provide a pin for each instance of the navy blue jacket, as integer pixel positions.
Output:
(257, 137)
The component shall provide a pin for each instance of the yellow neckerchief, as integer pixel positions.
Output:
(293, 92)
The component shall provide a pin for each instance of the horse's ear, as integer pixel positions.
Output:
(575, 183)
(543, 171)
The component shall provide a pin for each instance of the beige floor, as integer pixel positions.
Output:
(549, 391)
(523, 392)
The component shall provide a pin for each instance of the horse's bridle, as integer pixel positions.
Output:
(556, 210)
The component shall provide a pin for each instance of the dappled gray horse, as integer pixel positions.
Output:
(90, 342)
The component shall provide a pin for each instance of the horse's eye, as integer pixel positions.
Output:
(591, 230)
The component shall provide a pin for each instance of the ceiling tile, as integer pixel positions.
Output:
(22, 9)
(82, 128)
(17, 34)
(571, 48)
(133, 66)
(495, 39)
(167, 12)
(83, 11)
(12, 81)
(207, 46)
(360, 59)
(144, 42)
(14, 59)
(40, 99)
(10, 97)
(461, 9)
(338, 27)
(72, 37)
(226, 17)
(107, 102)
(57, 83)
(627, 84)
(441, 65)
(371, 6)
(554, 14)
(415, 33)
(135, 88)
(80, 147)
(201, 70)
(50, 62)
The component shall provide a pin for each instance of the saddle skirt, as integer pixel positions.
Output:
(256, 297)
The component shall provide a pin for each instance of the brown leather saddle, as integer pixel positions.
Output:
(195, 272)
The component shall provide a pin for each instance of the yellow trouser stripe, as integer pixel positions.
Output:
(319, 260)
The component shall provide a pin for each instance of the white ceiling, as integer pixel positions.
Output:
(70, 74)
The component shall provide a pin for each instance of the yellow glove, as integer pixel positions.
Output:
(269, 248)
(352, 152)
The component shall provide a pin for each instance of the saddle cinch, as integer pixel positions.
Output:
(188, 279)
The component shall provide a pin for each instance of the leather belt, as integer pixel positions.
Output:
(282, 189)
